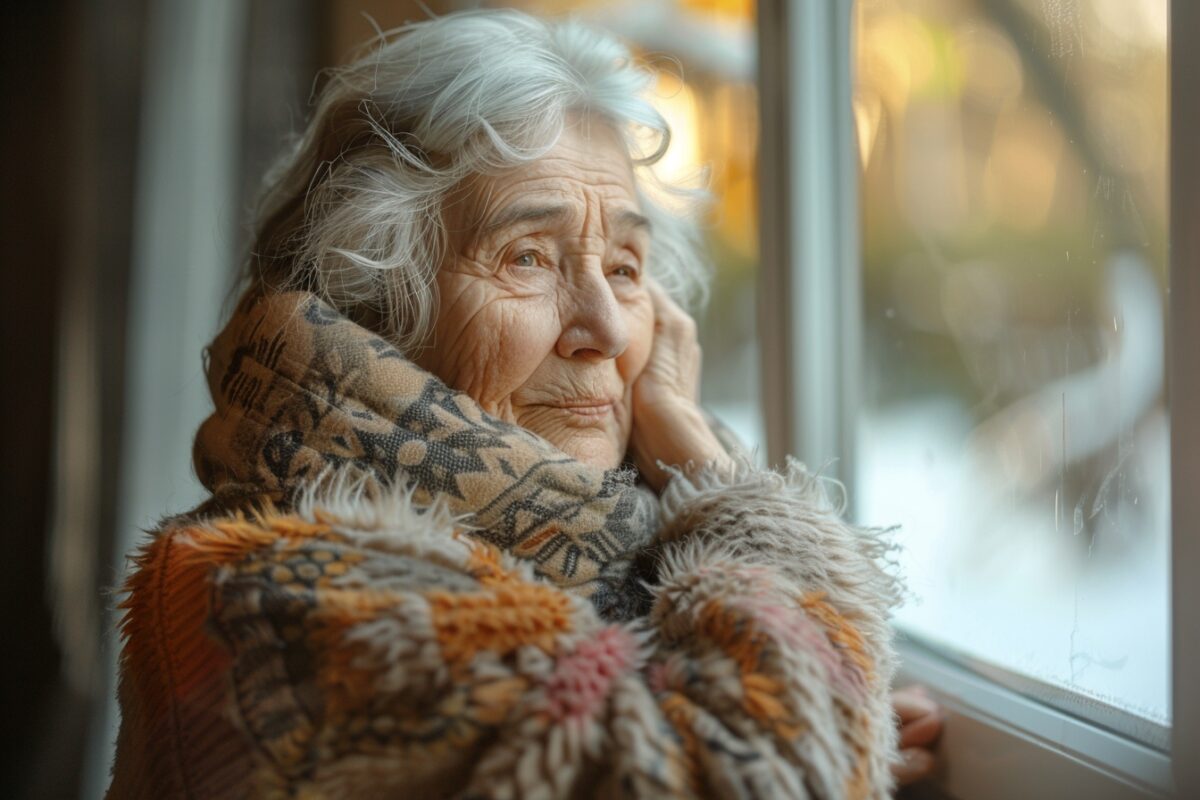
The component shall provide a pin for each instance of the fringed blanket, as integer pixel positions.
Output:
(392, 594)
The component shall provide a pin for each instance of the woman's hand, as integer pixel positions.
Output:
(920, 725)
(668, 425)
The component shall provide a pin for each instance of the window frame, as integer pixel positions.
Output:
(1183, 384)
(808, 149)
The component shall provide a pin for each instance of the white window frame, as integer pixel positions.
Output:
(1005, 736)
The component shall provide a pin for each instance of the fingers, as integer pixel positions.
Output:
(912, 703)
(667, 312)
(921, 732)
(659, 299)
(921, 722)
(914, 765)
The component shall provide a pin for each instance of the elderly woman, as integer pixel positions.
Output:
(470, 533)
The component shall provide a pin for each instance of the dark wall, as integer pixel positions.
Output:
(71, 80)
(70, 77)
(32, 91)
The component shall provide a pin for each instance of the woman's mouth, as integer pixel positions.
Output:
(586, 406)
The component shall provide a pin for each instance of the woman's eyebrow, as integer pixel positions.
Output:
(630, 219)
(514, 215)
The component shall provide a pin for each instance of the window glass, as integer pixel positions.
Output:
(1014, 297)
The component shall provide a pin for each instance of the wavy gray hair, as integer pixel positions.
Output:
(353, 210)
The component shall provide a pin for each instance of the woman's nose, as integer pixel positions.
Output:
(594, 326)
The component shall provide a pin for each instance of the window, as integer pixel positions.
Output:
(1013, 412)
(967, 280)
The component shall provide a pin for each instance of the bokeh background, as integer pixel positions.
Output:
(1014, 231)
(1013, 209)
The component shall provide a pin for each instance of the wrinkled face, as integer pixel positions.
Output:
(544, 315)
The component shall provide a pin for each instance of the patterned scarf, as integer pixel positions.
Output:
(300, 390)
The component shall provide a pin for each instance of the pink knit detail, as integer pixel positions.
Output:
(789, 624)
(581, 680)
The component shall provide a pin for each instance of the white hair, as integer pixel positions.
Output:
(353, 211)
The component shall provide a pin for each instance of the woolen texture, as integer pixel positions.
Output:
(392, 594)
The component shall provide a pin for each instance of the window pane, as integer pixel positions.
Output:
(1015, 277)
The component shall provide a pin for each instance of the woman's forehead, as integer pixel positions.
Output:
(532, 211)
(580, 176)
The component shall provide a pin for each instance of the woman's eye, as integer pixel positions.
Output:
(626, 271)
(526, 259)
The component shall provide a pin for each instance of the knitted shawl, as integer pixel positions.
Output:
(393, 594)
(301, 391)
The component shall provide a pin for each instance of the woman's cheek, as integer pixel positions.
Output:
(519, 334)
(529, 329)
(489, 339)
